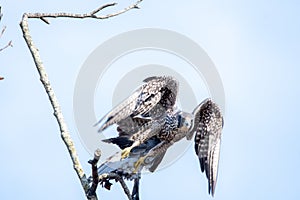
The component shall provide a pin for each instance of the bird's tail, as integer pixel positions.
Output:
(121, 141)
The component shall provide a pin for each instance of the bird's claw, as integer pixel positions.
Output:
(138, 163)
(125, 152)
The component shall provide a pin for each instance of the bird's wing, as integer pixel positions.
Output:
(208, 124)
(131, 125)
(149, 101)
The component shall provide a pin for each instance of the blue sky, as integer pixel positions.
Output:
(255, 46)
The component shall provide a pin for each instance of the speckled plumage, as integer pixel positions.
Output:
(149, 113)
(209, 122)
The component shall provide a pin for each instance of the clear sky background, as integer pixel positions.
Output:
(255, 46)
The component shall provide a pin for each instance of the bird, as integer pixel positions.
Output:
(125, 167)
(150, 114)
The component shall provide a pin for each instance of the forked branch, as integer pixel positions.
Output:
(65, 135)
(9, 44)
(118, 178)
(92, 14)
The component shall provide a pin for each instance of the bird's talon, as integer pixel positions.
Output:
(138, 163)
(125, 152)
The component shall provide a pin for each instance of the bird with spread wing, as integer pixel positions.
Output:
(150, 115)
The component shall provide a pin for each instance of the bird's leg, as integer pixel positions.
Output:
(160, 148)
(138, 163)
(125, 152)
(146, 135)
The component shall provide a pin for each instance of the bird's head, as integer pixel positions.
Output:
(185, 121)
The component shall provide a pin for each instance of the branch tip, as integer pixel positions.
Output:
(97, 154)
(3, 30)
(102, 7)
(6, 46)
(10, 43)
(45, 20)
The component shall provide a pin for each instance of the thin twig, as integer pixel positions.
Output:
(102, 7)
(0, 14)
(1, 78)
(118, 178)
(65, 135)
(3, 30)
(92, 14)
(9, 44)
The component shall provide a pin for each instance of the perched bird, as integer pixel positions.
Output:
(150, 114)
(125, 167)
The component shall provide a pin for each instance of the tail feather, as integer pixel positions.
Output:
(157, 161)
(122, 142)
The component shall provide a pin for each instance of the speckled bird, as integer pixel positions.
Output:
(150, 114)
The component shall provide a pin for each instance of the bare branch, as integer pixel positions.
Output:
(133, 6)
(91, 194)
(45, 20)
(0, 14)
(55, 105)
(104, 177)
(3, 30)
(8, 45)
(92, 14)
(102, 7)
(65, 135)
(135, 191)
(1, 78)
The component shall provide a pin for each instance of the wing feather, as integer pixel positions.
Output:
(208, 124)
(152, 99)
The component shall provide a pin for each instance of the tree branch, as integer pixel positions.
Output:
(65, 135)
(0, 14)
(3, 30)
(135, 191)
(91, 194)
(9, 44)
(92, 14)
(1, 78)
(55, 105)
(104, 177)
